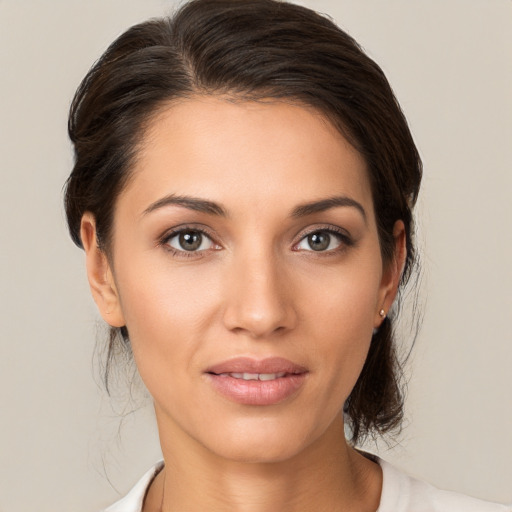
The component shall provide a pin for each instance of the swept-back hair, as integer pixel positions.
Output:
(249, 51)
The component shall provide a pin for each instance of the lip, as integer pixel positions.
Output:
(250, 365)
(289, 379)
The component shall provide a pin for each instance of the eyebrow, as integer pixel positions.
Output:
(326, 204)
(192, 203)
(212, 208)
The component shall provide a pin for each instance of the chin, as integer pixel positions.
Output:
(260, 442)
(258, 453)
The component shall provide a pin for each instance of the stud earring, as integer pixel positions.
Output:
(382, 313)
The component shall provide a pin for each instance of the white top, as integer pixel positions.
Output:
(400, 493)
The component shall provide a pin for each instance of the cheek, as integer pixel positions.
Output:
(341, 323)
(166, 310)
(345, 298)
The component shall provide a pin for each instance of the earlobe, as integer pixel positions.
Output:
(99, 274)
(392, 273)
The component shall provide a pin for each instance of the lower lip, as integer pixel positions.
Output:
(257, 392)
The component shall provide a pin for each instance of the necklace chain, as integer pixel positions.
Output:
(163, 492)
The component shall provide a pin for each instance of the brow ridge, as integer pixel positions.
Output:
(212, 208)
(326, 204)
(192, 203)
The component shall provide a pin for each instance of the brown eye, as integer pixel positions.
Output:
(190, 240)
(319, 241)
(322, 241)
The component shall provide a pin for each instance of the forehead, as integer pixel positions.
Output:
(253, 154)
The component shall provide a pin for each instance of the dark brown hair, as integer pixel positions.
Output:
(250, 50)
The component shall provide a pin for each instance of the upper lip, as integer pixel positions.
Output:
(250, 365)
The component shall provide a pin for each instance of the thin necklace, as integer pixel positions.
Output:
(163, 492)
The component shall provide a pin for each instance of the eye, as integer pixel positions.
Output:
(321, 241)
(190, 240)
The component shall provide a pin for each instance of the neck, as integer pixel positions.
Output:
(326, 476)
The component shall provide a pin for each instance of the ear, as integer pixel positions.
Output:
(392, 274)
(99, 273)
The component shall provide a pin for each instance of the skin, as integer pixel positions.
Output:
(255, 288)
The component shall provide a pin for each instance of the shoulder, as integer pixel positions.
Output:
(132, 502)
(402, 493)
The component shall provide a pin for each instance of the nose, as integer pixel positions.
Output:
(259, 299)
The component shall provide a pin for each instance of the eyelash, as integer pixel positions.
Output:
(166, 238)
(343, 237)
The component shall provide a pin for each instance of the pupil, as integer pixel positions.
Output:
(190, 240)
(319, 241)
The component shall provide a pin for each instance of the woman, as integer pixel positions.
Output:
(243, 189)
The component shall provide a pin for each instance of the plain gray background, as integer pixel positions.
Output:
(450, 63)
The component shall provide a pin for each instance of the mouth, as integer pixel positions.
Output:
(257, 382)
(248, 368)
(254, 376)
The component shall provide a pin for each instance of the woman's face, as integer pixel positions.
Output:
(247, 269)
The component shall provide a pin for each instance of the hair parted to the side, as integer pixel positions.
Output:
(250, 50)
